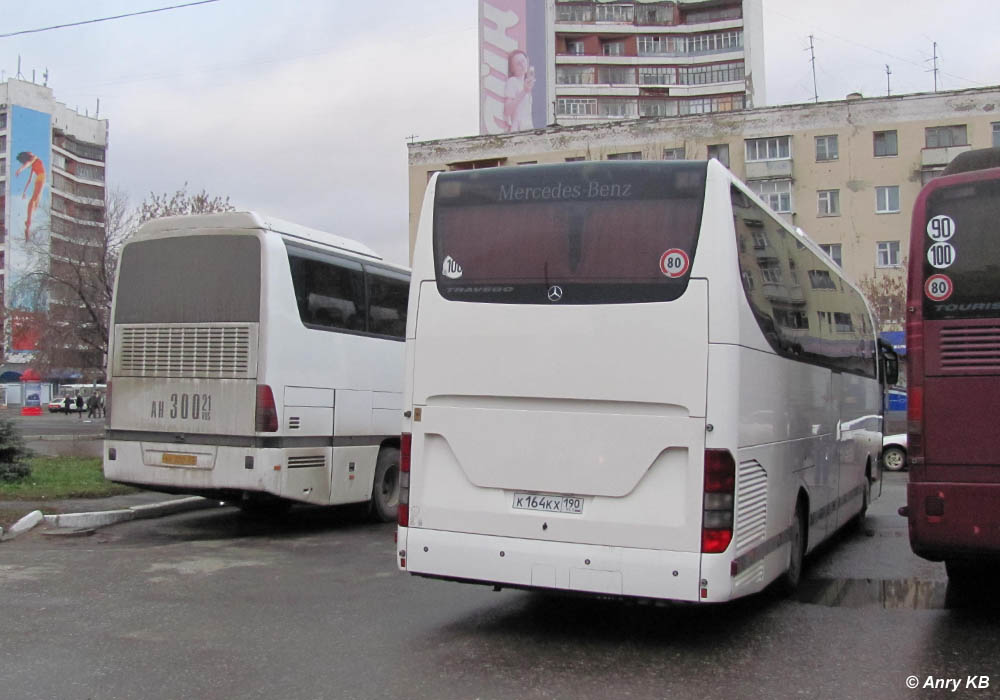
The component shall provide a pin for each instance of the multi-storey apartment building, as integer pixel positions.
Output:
(52, 208)
(545, 62)
(847, 172)
(622, 60)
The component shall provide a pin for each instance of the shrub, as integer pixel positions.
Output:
(14, 453)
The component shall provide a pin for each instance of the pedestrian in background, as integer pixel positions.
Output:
(66, 404)
(91, 405)
(79, 405)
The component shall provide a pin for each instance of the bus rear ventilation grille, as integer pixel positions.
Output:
(970, 348)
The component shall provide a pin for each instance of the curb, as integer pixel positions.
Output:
(110, 517)
(73, 437)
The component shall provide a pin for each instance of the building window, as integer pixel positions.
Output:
(996, 134)
(720, 152)
(828, 203)
(631, 155)
(710, 105)
(887, 200)
(659, 45)
(657, 75)
(834, 250)
(575, 48)
(616, 75)
(613, 48)
(661, 14)
(614, 13)
(842, 322)
(945, 136)
(826, 148)
(574, 13)
(714, 43)
(776, 148)
(928, 174)
(658, 108)
(616, 108)
(575, 75)
(574, 159)
(770, 270)
(886, 143)
(821, 279)
(576, 107)
(705, 75)
(777, 194)
(759, 240)
(527, 162)
(887, 254)
(673, 154)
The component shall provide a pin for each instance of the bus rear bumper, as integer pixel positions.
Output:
(954, 521)
(563, 566)
(216, 472)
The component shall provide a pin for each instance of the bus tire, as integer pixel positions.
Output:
(788, 582)
(385, 488)
(894, 458)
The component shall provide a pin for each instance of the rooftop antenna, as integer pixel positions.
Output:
(812, 60)
(888, 87)
(19, 76)
(97, 112)
(411, 138)
(45, 77)
(33, 75)
(934, 69)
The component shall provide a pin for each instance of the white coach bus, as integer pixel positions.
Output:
(254, 360)
(628, 379)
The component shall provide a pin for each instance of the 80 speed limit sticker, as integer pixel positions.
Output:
(938, 287)
(674, 263)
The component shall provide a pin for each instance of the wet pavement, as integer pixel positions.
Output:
(217, 605)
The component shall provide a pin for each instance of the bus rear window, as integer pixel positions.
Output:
(582, 233)
(961, 255)
(190, 279)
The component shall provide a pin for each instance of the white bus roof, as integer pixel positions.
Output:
(249, 220)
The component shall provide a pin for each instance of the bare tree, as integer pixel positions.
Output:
(74, 274)
(887, 294)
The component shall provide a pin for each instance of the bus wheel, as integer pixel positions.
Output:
(789, 581)
(385, 490)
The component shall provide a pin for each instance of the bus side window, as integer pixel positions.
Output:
(329, 294)
(387, 298)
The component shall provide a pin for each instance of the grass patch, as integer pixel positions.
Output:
(62, 477)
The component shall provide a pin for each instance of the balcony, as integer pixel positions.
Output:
(768, 169)
(933, 157)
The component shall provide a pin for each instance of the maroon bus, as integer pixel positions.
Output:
(953, 367)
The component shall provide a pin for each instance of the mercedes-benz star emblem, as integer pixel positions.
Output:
(555, 293)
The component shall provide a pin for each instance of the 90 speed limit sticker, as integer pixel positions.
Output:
(938, 287)
(675, 263)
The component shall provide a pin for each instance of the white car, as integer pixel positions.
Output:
(894, 452)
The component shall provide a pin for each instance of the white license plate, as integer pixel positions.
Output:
(548, 503)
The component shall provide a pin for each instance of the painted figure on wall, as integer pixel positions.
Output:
(517, 91)
(29, 160)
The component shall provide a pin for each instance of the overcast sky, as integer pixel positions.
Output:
(301, 109)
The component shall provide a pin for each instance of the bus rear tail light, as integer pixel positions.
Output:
(405, 450)
(915, 425)
(266, 415)
(719, 501)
